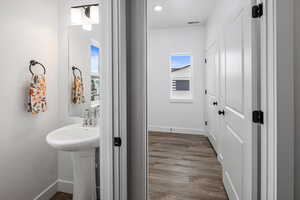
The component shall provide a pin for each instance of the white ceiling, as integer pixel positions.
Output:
(176, 13)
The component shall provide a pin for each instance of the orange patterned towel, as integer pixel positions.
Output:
(37, 101)
(78, 91)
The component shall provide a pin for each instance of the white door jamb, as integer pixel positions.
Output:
(277, 134)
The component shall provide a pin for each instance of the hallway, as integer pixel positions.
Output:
(183, 167)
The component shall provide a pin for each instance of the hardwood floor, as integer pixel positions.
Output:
(184, 167)
(62, 196)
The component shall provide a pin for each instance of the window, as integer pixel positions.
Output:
(181, 85)
(181, 77)
(95, 77)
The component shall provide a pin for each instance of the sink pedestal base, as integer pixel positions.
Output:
(84, 187)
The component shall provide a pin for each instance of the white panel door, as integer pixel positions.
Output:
(212, 82)
(237, 103)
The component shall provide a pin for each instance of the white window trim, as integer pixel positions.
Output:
(182, 100)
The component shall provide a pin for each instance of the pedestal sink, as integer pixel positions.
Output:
(81, 142)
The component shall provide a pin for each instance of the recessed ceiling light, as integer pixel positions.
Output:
(158, 8)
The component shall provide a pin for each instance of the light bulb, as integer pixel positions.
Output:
(158, 8)
(76, 18)
(95, 14)
(87, 27)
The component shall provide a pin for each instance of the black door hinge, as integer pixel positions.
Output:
(117, 141)
(258, 117)
(258, 11)
(205, 91)
(205, 60)
(206, 123)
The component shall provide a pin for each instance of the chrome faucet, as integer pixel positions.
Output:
(86, 118)
(95, 116)
(91, 117)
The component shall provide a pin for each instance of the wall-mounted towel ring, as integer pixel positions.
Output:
(33, 63)
(74, 69)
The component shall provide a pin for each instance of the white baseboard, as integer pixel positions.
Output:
(65, 186)
(190, 131)
(48, 193)
(57, 186)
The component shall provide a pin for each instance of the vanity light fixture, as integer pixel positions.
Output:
(85, 16)
(158, 8)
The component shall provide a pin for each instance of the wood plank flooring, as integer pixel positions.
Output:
(62, 196)
(183, 167)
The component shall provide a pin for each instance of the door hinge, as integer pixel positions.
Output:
(117, 141)
(258, 117)
(206, 123)
(258, 11)
(205, 60)
(205, 91)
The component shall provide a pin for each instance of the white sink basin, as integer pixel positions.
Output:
(74, 138)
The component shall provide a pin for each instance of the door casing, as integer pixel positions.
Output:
(277, 158)
(113, 159)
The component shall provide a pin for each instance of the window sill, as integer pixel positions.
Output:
(181, 100)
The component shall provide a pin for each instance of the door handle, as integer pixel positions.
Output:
(215, 103)
(221, 112)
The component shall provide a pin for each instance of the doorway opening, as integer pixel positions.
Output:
(202, 64)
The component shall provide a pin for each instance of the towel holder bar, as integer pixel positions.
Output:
(33, 63)
(76, 68)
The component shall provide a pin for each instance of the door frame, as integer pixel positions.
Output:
(277, 101)
(119, 97)
(106, 116)
(277, 97)
(113, 159)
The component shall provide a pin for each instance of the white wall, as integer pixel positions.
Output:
(163, 113)
(217, 19)
(285, 99)
(297, 96)
(28, 164)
